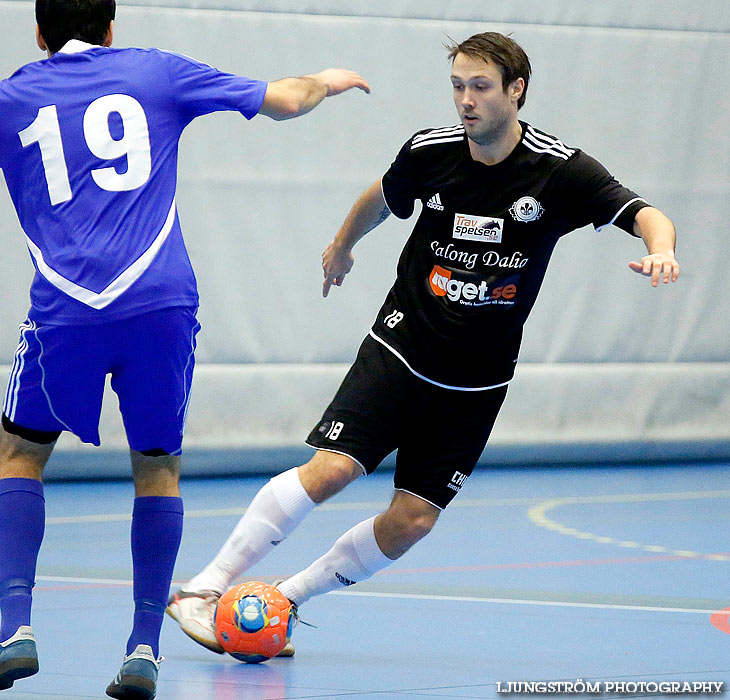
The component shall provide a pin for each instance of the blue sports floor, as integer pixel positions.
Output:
(606, 574)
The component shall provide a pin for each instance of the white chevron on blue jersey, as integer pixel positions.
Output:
(120, 285)
(106, 246)
(544, 143)
(444, 134)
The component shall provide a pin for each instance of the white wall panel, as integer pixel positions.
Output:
(256, 417)
(638, 85)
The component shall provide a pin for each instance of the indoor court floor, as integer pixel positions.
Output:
(608, 574)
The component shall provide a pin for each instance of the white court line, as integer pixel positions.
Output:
(222, 512)
(425, 596)
(517, 601)
(74, 579)
(537, 503)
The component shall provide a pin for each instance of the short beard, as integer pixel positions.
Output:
(496, 131)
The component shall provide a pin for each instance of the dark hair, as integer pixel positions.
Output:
(60, 21)
(500, 49)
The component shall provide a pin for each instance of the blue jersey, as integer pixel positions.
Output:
(88, 146)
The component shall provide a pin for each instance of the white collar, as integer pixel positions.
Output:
(76, 46)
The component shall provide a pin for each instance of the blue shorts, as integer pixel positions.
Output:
(57, 379)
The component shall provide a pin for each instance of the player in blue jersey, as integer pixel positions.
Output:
(88, 146)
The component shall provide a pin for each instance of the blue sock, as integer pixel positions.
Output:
(156, 531)
(22, 523)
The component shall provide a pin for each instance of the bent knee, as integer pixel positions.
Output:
(412, 515)
(417, 526)
(327, 473)
(398, 529)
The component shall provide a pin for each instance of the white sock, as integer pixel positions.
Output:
(353, 558)
(274, 513)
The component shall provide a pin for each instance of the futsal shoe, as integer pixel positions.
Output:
(137, 678)
(18, 657)
(194, 611)
(288, 650)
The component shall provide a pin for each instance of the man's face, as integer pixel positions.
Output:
(486, 110)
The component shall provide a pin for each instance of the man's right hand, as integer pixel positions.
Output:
(336, 263)
(291, 97)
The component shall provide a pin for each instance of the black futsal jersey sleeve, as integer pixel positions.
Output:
(400, 184)
(596, 197)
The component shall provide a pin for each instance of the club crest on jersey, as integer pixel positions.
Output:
(487, 229)
(526, 209)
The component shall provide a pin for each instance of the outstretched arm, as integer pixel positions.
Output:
(658, 234)
(291, 97)
(369, 211)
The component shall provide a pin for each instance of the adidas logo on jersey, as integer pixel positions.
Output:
(435, 202)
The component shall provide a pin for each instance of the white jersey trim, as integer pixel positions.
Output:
(435, 141)
(618, 213)
(533, 146)
(382, 191)
(442, 131)
(186, 401)
(77, 46)
(120, 285)
(43, 383)
(445, 134)
(541, 139)
(11, 395)
(431, 381)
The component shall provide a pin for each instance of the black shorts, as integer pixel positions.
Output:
(382, 406)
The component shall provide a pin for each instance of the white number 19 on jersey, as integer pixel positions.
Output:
(134, 144)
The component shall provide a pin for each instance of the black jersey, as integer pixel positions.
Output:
(471, 269)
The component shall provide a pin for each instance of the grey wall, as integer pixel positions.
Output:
(642, 86)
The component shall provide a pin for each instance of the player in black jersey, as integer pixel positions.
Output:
(431, 376)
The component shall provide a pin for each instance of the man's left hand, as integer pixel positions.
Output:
(657, 266)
